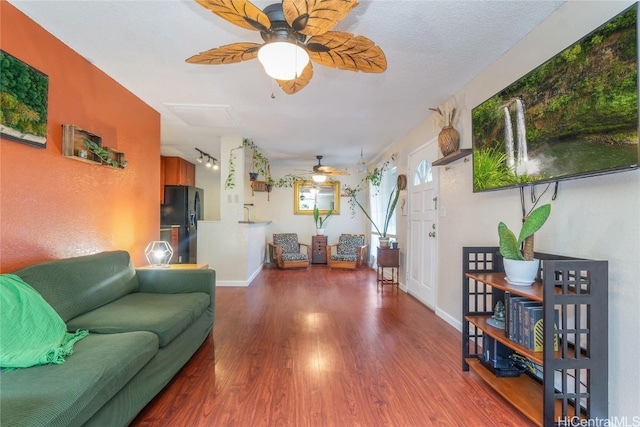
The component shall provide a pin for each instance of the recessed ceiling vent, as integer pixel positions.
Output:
(206, 115)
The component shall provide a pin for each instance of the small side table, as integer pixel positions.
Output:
(318, 249)
(388, 258)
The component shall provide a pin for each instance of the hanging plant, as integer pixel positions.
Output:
(287, 181)
(230, 182)
(260, 165)
(372, 178)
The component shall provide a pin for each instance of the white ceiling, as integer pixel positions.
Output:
(433, 49)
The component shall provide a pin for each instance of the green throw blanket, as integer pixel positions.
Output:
(31, 332)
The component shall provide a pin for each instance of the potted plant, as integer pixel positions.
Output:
(391, 206)
(520, 266)
(319, 220)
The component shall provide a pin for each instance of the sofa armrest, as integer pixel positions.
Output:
(168, 281)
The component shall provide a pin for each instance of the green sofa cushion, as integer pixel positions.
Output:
(74, 286)
(32, 332)
(69, 394)
(166, 315)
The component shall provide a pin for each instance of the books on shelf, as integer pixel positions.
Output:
(524, 323)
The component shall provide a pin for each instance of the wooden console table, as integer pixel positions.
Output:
(388, 258)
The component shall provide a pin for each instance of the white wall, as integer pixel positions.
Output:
(597, 217)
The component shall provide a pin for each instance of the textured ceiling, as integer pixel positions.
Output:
(433, 49)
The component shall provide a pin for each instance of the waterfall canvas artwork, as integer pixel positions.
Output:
(575, 115)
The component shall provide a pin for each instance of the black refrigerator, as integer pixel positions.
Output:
(182, 209)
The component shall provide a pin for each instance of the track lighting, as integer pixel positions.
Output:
(212, 162)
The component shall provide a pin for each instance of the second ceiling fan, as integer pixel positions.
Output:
(321, 172)
(294, 32)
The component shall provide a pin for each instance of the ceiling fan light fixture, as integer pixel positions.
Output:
(319, 178)
(283, 60)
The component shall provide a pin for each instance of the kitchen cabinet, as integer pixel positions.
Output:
(178, 171)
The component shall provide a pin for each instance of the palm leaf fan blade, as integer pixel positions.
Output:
(228, 54)
(346, 51)
(293, 86)
(315, 17)
(239, 12)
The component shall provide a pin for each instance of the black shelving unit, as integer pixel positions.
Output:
(574, 380)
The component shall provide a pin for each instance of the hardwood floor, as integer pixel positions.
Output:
(318, 347)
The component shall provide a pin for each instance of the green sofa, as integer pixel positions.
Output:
(144, 325)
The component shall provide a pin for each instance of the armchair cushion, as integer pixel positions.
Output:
(288, 241)
(294, 257)
(343, 257)
(347, 244)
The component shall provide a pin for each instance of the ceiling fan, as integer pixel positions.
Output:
(321, 172)
(299, 27)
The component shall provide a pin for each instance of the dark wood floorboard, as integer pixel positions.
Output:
(319, 347)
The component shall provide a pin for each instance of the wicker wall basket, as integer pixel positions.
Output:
(448, 140)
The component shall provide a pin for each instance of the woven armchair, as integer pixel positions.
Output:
(349, 252)
(287, 252)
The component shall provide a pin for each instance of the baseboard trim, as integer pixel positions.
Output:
(449, 319)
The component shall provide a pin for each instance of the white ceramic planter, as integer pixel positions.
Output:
(521, 273)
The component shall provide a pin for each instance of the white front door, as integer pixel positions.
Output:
(423, 224)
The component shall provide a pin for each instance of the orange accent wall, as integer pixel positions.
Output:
(54, 207)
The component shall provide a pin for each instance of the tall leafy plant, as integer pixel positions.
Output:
(390, 208)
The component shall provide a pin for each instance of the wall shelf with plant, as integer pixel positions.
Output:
(84, 146)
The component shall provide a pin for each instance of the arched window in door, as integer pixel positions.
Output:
(423, 173)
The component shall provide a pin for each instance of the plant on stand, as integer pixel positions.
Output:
(520, 265)
(319, 220)
(390, 208)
